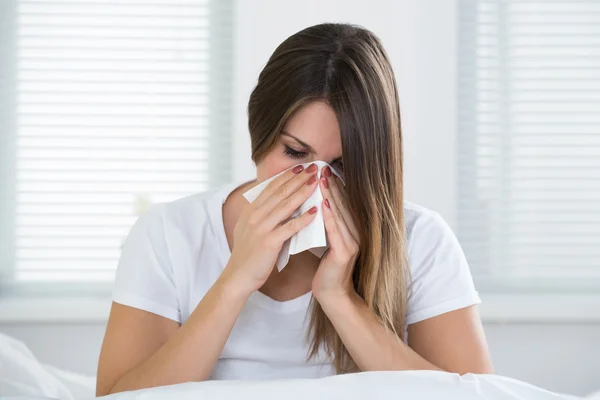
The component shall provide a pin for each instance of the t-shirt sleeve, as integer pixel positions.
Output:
(440, 278)
(145, 278)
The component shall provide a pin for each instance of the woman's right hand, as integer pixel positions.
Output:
(262, 228)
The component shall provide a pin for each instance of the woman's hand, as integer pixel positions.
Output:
(334, 275)
(263, 227)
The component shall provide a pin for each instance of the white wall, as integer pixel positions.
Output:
(425, 77)
(555, 356)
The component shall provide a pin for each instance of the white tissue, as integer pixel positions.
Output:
(313, 236)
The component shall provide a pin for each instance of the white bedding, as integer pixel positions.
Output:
(367, 385)
(22, 375)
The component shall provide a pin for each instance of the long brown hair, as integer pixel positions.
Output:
(347, 67)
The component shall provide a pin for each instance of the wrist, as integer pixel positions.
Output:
(234, 285)
(335, 300)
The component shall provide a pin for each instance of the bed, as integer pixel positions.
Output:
(22, 375)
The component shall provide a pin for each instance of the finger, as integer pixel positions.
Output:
(334, 236)
(286, 207)
(336, 211)
(283, 192)
(340, 200)
(295, 225)
(278, 194)
(276, 183)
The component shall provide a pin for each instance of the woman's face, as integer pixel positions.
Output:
(311, 133)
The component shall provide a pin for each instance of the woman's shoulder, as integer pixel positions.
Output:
(440, 276)
(428, 235)
(440, 280)
(418, 218)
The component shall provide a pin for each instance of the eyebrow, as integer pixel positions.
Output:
(306, 145)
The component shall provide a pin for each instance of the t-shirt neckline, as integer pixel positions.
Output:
(259, 298)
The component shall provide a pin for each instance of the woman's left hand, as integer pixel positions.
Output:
(334, 275)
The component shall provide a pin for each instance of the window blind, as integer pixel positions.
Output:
(529, 139)
(120, 104)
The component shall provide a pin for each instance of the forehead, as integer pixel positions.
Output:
(316, 124)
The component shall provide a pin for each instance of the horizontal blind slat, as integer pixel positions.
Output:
(529, 137)
(113, 113)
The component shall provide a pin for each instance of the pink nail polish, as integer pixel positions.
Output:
(324, 180)
(313, 210)
(297, 169)
(311, 168)
(327, 203)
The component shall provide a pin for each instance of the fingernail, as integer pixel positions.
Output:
(327, 171)
(324, 180)
(327, 203)
(297, 169)
(313, 210)
(311, 168)
(312, 180)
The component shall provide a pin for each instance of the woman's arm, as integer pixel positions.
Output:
(142, 350)
(452, 342)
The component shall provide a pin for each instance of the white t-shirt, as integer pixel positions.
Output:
(176, 251)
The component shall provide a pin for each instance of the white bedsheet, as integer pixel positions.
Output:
(426, 385)
(21, 374)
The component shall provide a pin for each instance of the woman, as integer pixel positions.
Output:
(197, 296)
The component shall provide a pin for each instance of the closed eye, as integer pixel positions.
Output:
(294, 153)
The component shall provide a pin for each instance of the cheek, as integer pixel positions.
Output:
(273, 163)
